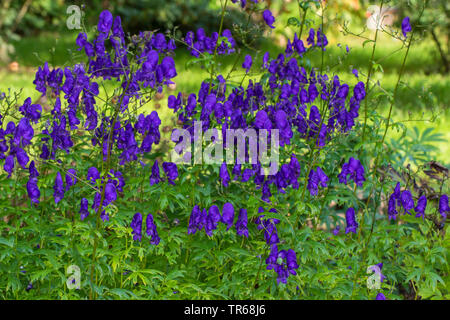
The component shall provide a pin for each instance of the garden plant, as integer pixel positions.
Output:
(96, 204)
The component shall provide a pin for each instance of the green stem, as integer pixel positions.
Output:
(108, 158)
(369, 73)
(302, 23)
(215, 49)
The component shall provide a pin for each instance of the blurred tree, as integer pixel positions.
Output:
(27, 17)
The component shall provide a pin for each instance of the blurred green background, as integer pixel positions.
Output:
(32, 32)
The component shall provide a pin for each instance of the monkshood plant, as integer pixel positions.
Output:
(93, 208)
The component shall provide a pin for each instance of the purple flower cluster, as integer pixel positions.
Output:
(198, 43)
(402, 199)
(170, 169)
(321, 41)
(295, 46)
(14, 139)
(282, 262)
(269, 227)
(268, 18)
(32, 187)
(114, 184)
(136, 225)
(350, 218)
(355, 169)
(209, 219)
(317, 178)
(247, 64)
(48, 79)
(108, 65)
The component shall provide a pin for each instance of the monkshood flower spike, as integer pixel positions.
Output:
(406, 26)
(355, 170)
(352, 225)
(136, 225)
(151, 230)
(443, 206)
(268, 18)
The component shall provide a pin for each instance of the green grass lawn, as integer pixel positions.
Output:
(423, 95)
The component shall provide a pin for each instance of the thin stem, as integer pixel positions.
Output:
(108, 158)
(302, 23)
(369, 73)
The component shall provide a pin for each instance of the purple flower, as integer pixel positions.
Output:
(406, 26)
(310, 39)
(380, 296)
(266, 57)
(291, 261)
(196, 220)
(247, 63)
(155, 178)
(224, 175)
(394, 201)
(84, 211)
(33, 190)
(269, 226)
(228, 215)
(322, 40)
(336, 230)
(151, 230)
(136, 225)
(9, 165)
(171, 171)
(316, 178)
(359, 91)
(298, 45)
(241, 223)
(33, 171)
(353, 168)
(105, 21)
(355, 72)
(212, 219)
(268, 18)
(262, 120)
(71, 178)
(168, 68)
(22, 157)
(443, 206)
(407, 201)
(83, 43)
(193, 220)
(351, 221)
(93, 175)
(420, 207)
(58, 188)
(282, 262)
(31, 111)
(110, 194)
